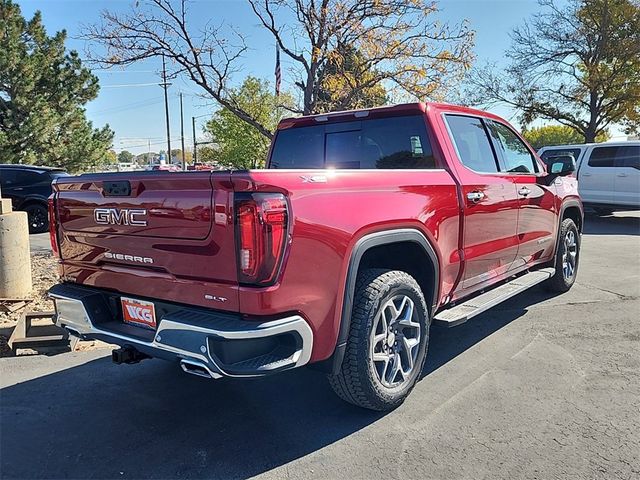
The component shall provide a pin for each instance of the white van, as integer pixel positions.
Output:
(608, 173)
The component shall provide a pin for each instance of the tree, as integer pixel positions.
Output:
(240, 145)
(346, 83)
(42, 91)
(400, 42)
(578, 65)
(125, 156)
(549, 135)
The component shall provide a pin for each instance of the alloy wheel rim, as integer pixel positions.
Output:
(395, 341)
(37, 219)
(569, 255)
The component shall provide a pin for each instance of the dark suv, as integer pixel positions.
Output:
(29, 187)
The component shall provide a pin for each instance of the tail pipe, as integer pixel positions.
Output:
(199, 369)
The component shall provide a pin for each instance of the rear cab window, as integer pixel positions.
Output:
(382, 143)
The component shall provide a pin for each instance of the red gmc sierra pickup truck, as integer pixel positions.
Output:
(366, 227)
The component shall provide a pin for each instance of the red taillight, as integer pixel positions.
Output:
(52, 226)
(262, 229)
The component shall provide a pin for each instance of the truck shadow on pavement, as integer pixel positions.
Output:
(152, 421)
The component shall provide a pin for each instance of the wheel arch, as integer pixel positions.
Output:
(570, 209)
(382, 250)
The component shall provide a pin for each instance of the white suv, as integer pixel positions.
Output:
(608, 173)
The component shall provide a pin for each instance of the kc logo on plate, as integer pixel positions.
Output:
(138, 312)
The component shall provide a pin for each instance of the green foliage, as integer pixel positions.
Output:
(42, 90)
(125, 156)
(549, 135)
(576, 63)
(347, 82)
(241, 145)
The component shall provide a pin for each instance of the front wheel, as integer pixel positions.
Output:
(387, 343)
(567, 258)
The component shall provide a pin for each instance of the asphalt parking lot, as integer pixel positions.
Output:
(540, 387)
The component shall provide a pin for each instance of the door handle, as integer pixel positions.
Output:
(475, 197)
(586, 174)
(524, 191)
(621, 174)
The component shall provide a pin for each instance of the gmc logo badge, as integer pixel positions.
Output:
(120, 216)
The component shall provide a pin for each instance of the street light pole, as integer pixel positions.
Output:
(164, 84)
(184, 161)
(195, 143)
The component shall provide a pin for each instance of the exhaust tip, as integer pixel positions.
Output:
(199, 369)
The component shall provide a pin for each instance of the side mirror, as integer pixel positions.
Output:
(561, 165)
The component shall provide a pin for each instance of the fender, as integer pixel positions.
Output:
(572, 202)
(385, 237)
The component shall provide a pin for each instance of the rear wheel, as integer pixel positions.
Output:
(387, 343)
(38, 218)
(567, 257)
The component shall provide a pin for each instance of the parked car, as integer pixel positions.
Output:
(366, 227)
(29, 187)
(608, 173)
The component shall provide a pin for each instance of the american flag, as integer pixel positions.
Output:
(278, 76)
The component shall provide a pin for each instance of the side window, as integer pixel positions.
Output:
(516, 155)
(555, 152)
(8, 177)
(27, 178)
(603, 157)
(472, 143)
(628, 157)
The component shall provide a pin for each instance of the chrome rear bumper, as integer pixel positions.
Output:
(205, 343)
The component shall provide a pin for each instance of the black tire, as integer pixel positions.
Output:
(561, 282)
(38, 216)
(359, 379)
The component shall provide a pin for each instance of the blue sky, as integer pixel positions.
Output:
(136, 113)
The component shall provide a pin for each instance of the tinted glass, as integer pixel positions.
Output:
(515, 154)
(472, 143)
(556, 152)
(299, 148)
(398, 142)
(603, 157)
(26, 177)
(8, 177)
(628, 156)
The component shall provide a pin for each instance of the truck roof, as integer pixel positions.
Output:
(377, 112)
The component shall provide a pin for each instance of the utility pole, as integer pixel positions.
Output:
(164, 84)
(184, 161)
(195, 143)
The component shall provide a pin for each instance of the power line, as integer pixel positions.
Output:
(130, 85)
(129, 106)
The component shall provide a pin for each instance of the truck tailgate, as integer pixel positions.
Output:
(151, 234)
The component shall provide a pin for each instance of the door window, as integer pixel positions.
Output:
(515, 154)
(8, 177)
(472, 143)
(628, 156)
(603, 157)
